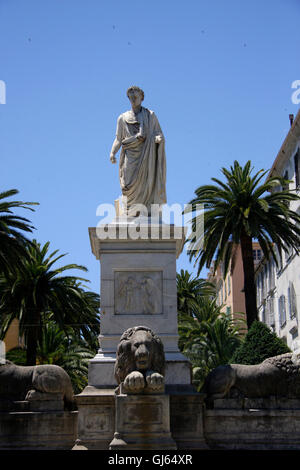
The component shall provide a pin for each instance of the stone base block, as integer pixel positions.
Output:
(96, 418)
(38, 401)
(46, 430)
(186, 410)
(101, 371)
(142, 422)
(253, 424)
(178, 371)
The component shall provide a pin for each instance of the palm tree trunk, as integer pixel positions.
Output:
(32, 339)
(31, 351)
(249, 283)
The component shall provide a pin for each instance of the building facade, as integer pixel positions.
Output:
(278, 287)
(12, 338)
(230, 291)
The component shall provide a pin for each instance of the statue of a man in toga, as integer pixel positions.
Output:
(142, 167)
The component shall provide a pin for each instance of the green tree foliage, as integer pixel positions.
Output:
(190, 290)
(17, 356)
(259, 344)
(68, 351)
(12, 240)
(38, 292)
(208, 338)
(237, 211)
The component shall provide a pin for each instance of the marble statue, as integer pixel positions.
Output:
(24, 382)
(142, 166)
(276, 376)
(140, 361)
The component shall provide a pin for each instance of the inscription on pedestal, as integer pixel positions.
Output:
(137, 415)
(138, 292)
(97, 422)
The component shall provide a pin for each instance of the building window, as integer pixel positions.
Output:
(263, 315)
(284, 339)
(282, 311)
(272, 274)
(270, 271)
(228, 285)
(279, 259)
(292, 301)
(228, 311)
(294, 332)
(257, 290)
(265, 282)
(297, 168)
(257, 255)
(222, 269)
(262, 286)
(270, 311)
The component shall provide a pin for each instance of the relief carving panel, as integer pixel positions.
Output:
(138, 292)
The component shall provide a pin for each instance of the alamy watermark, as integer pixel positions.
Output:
(296, 95)
(160, 222)
(2, 92)
(2, 352)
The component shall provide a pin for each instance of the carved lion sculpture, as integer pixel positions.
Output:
(275, 376)
(140, 361)
(19, 382)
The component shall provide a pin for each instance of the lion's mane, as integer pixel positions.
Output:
(125, 362)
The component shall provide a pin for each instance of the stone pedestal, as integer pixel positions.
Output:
(187, 419)
(253, 424)
(178, 417)
(41, 401)
(142, 422)
(138, 287)
(24, 429)
(96, 418)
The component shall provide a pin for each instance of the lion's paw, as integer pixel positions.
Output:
(155, 381)
(134, 382)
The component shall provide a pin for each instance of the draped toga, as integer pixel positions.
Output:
(142, 168)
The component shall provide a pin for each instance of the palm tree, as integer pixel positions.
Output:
(238, 211)
(208, 338)
(190, 290)
(191, 327)
(67, 351)
(37, 292)
(12, 241)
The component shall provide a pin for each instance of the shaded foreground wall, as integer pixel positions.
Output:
(255, 424)
(232, 424)
(38, 430)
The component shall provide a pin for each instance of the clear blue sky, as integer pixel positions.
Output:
(217, 73)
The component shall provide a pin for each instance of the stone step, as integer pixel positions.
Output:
(21, 405)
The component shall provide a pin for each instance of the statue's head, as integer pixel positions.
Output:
(135, 95)
(139, 349)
